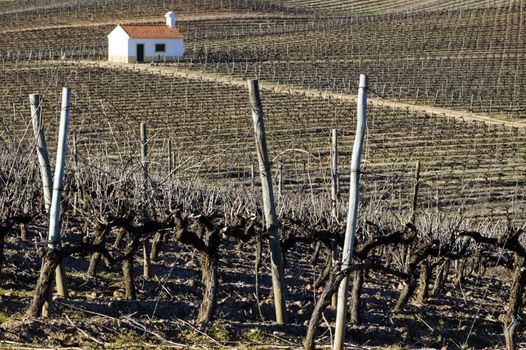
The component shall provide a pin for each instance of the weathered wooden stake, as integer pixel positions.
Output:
(415, 191)
(406, 251)
(170, 157)
(252, 176)
(335, 195)
(76, 197)
(41, 147)
(280, 180)
(271, 219)
(45, 168)
(352, 215)
(47, 179)
(58, 187)
(144, 164)
(335, 176)
(170, 169)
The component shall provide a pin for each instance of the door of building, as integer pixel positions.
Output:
(140, 52)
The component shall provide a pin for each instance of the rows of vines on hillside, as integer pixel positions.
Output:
(110, 210)
(465, 165)
(172, 249)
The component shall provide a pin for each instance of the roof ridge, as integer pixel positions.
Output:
(143, 24)
(151, 30)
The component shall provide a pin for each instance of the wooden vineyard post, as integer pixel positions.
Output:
(415, 191)
(335, 176)
(406, 250)
(144, 165)
(170, 158)
(41, 147)
(144, 156)
(58, 187)
(47, 179)
(56, 197)
(335, 195)
(269, 206)
(252, 177)
(76, 198)
(170, 169)
(45, 168)
(352, 215)
(280, 181)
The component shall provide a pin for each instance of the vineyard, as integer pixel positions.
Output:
(463, 60)
(165, 240)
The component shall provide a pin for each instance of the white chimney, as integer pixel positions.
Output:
(170, 19)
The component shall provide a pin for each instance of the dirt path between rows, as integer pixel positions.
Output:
(182, 18)
(282, 88)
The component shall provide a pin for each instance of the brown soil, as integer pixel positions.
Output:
(96, 315)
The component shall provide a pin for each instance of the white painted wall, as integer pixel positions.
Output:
(120, 47)
(173, 47)
(118, 42)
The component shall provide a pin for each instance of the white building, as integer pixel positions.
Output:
(146, 42)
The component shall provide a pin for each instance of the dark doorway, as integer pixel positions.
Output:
(140, 52)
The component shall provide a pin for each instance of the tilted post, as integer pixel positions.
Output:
(415, 192)
(252, 177)
(335, 195)
(58, 179)
(406, 250)
(144, 165)
(269, 206)
(35, 101)
(280, 180)
(170, 158)
(352, 215)
(170, 169)
(76, 197)
(41, 147)
(335, 176)
(144, 155)
(58, 187)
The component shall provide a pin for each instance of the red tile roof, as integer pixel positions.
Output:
(151, 30)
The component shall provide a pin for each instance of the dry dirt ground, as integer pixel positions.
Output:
(95, 315)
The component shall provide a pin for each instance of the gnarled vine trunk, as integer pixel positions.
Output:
(423, 282)
(209, 278)
(510, 320)
(93, 264)
(44, 285)
(128, 279)
(23, 232)
(100, 237)
(156, 245)
(356, 295)
(441, 277)
(333, 282)
(406, 293)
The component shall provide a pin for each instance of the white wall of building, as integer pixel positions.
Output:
(121, 48)
(173, 48)
(118, 45)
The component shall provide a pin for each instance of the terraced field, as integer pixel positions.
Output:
(392, 6)
(440, 255)
(448, 59)
(459, 59)
(464, 164)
